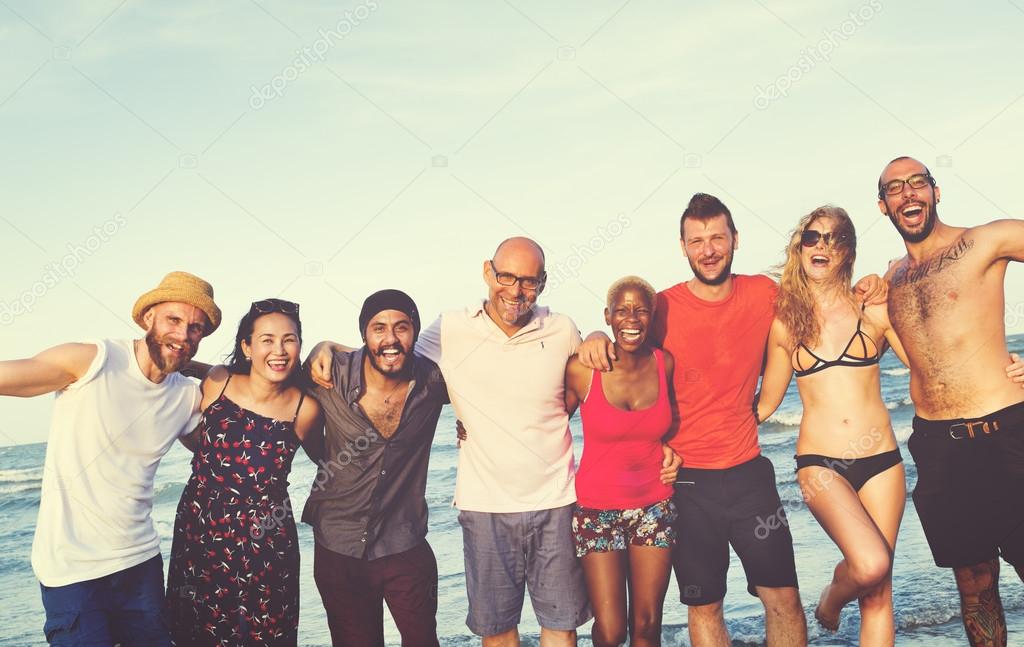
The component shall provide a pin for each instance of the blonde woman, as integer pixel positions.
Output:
(849, 467)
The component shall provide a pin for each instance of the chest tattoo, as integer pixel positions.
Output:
(906, 275)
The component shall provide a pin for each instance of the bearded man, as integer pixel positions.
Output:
(120, 405)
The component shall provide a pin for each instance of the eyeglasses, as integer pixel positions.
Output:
(526, 282)
(916, 181)
(811, 237)
(266, 306)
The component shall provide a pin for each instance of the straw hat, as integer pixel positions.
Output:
(180, 287)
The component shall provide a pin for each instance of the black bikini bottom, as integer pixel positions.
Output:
(857, 471)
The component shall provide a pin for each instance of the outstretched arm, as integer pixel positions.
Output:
(777, 373)
(49, 371)
(1009, 237)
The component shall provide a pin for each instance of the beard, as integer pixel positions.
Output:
(722, 277)
(926, 228)
(166, 366)
(374, 356)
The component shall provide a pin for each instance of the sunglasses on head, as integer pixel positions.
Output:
(811, 237)
(266, 306)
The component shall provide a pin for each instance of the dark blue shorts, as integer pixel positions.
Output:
(124, 607)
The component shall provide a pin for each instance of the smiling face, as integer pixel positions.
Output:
(173, 333)
(629, 315)
(912, 211)
(274, 347)
(509, 306)
(389, 337)
(822, 261)
(709, 246)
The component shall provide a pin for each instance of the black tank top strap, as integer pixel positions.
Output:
(302, 397)
(225, 387)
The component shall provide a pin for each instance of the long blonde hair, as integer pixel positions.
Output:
(795, 306)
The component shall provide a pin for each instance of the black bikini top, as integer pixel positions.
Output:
(846, 358)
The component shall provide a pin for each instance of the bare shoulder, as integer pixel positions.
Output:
(74, 358)
(894, 264)
(670, 362)
(215, 380)
(575, 368)
(779, 333)
(995, 234)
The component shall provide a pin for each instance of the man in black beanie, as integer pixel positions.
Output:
(367, 507)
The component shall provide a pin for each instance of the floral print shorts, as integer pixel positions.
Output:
(601, 531)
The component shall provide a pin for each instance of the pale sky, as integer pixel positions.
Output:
(321, 151)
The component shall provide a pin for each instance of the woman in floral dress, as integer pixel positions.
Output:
(234, 570)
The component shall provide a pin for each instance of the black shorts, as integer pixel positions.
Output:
(738, 506)
(970, 487)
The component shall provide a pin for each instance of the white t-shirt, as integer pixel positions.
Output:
(509, 393)
(109, 431)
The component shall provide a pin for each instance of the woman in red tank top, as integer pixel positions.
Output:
(622, 523)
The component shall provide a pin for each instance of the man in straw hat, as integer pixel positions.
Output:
(120, 405)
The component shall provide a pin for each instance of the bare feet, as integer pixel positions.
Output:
(829, 622)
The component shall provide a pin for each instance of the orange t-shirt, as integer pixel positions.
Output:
(718, 348)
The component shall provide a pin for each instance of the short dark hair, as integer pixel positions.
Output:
(704, 207)
(931, 178)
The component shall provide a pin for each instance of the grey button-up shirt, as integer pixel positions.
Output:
(368, 499)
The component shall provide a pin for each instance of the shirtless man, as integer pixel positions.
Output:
(946, 303)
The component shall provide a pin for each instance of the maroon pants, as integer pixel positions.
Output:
(354, 592)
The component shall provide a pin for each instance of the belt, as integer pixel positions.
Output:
(966, 428)
(972, 428)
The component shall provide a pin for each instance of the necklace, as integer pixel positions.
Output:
(387, 399)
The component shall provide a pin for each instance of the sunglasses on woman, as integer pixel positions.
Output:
(266, 306)
(811, 237)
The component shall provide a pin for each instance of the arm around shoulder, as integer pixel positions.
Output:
(51, 370)
(309, 427)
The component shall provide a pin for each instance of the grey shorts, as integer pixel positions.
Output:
(507, 552)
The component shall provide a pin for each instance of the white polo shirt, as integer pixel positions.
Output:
(509, 393)
(110, 429)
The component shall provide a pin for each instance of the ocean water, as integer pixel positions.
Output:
(925, 598)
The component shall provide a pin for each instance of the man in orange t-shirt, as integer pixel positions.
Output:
(716, 326)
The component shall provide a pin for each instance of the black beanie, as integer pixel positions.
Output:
(389, 300)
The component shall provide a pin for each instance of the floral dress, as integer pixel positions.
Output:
(234, 572)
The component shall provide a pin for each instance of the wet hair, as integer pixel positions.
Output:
(238, 364)
(704, 207)
(632, 282)
(795, 306)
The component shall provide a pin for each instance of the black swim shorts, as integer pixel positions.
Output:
(970, 487)
(739, 506)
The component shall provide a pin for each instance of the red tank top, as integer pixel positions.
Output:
(622, 455)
